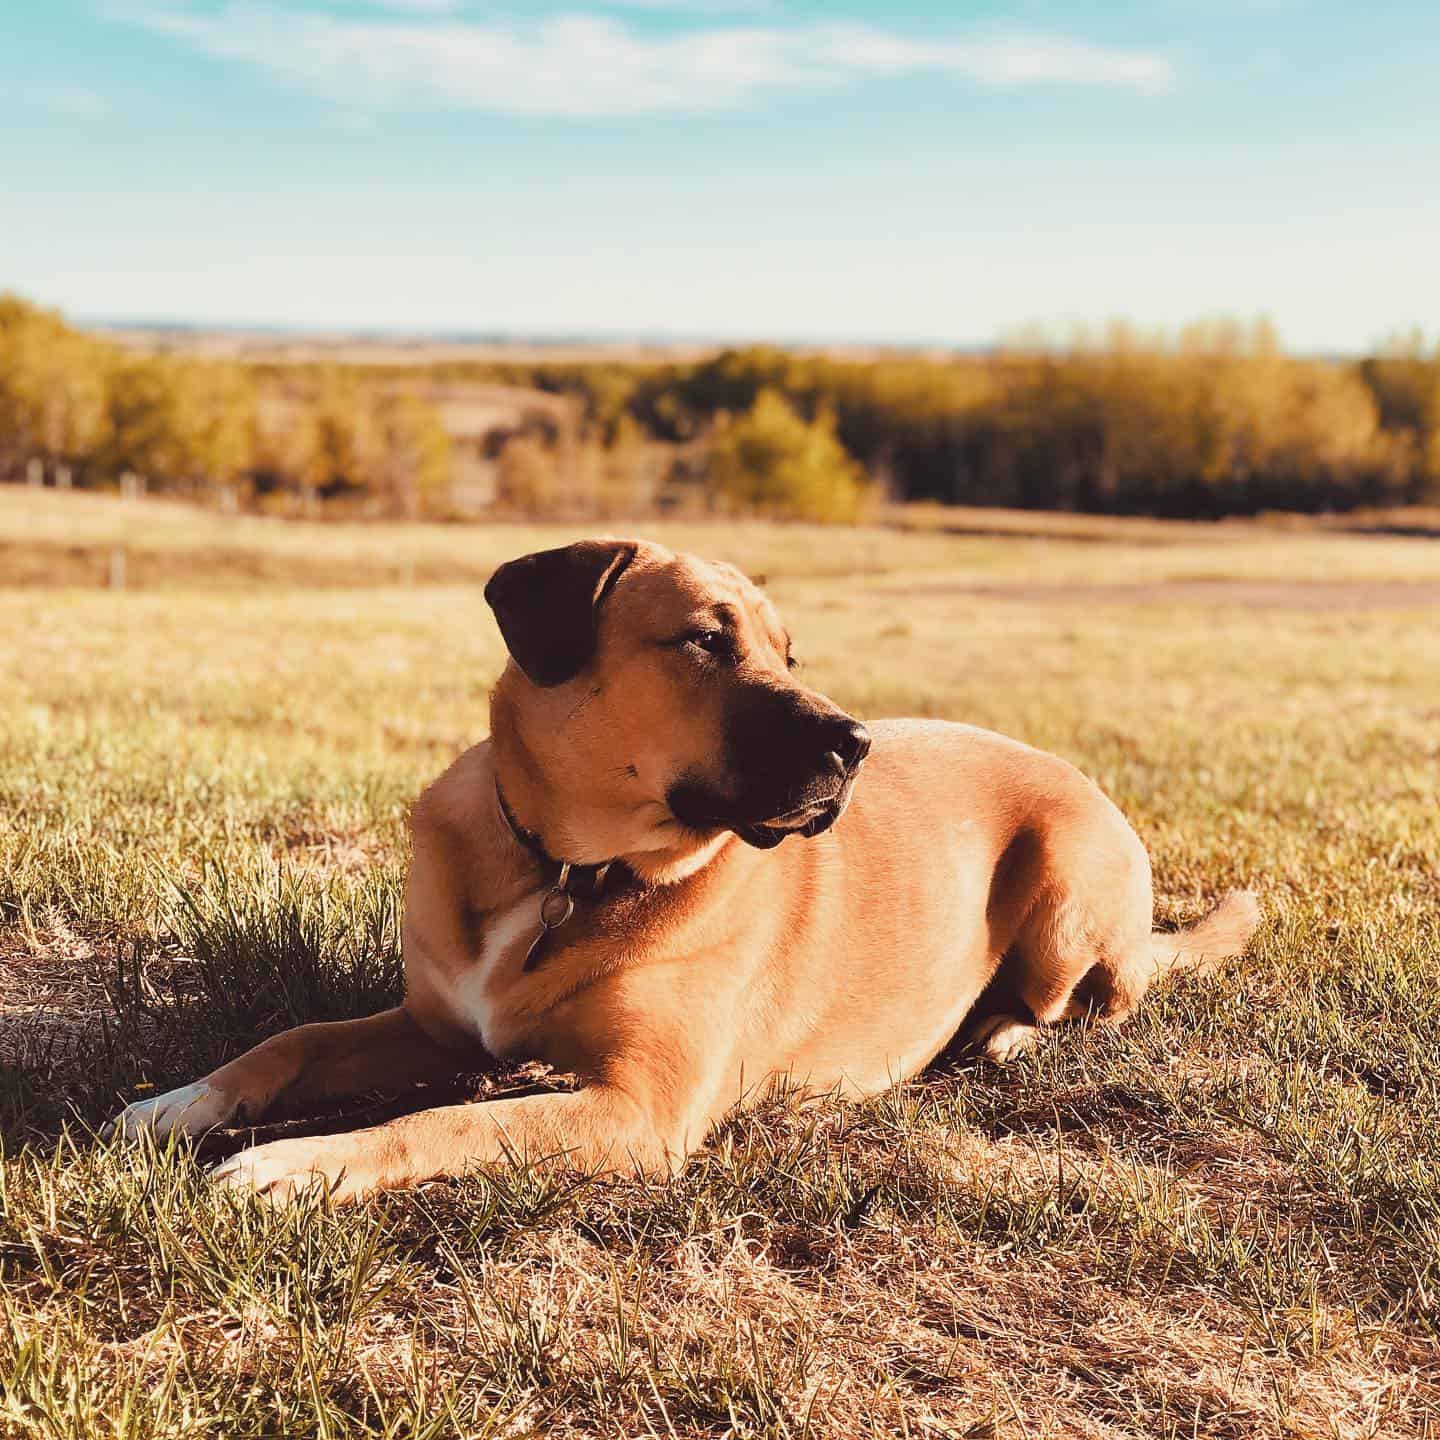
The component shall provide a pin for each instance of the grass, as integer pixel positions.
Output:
(53, 539)
(1223, 1220)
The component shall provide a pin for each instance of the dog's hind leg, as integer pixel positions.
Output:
(310, 1063)
(1045, 977)
(1076, 959)
(1072, 954)
(1003, 1037)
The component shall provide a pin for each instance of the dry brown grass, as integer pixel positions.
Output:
(1222, 1221)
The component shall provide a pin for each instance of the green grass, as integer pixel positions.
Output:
(1223, 1220)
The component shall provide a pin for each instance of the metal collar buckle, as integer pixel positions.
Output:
(557, 905)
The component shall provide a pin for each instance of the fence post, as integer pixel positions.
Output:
(62, 477)
(117, 568)
(35, 472)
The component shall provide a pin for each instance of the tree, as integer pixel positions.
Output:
(52, 389)
(529, 479)
(335, 440)
(144, 434)
(776, 463)
(413, 452)
(1405, 382)
(216, 414)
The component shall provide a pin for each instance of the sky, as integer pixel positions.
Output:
(749, 169)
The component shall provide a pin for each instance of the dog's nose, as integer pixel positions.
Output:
(849, 743)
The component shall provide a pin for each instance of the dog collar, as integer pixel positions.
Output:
(558, 903)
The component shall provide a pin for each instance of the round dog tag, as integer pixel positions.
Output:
(556, 908)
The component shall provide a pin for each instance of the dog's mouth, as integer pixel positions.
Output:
(815, 814)
(807, 821)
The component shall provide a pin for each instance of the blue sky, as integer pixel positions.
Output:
(758, 168)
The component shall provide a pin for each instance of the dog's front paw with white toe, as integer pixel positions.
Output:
(188, 1110)
(285, 1169)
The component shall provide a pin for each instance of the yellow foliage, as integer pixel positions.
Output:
(1218, 420)
(774, 462)
(529, 477)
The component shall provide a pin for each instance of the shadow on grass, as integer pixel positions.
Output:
(241, 958)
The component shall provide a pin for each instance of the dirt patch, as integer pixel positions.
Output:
(1247, 594)
(52, 993)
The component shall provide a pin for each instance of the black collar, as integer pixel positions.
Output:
(577, 878)
(566, 881)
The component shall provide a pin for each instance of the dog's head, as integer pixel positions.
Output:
(657, 690)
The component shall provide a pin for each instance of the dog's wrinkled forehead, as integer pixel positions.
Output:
(664, 597)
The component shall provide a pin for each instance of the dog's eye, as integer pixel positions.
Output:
(712, 642)
(791, 663)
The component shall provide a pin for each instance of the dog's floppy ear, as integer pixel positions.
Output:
(548, 605)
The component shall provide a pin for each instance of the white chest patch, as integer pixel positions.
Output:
(470, 1004)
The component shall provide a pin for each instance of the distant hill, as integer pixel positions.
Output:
(282, 344)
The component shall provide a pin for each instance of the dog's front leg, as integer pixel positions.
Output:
(599, 1129)
(310, 1063)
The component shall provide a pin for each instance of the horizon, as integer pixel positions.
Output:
(117, 329)
(726, 171)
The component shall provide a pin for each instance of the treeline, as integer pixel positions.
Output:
(1217, 421)
(78, 411)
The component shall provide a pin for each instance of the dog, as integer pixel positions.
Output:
(659, 873)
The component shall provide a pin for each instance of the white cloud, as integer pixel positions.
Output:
(1002, 60)
(71, 100)
(409, 7)
(693, 7)
(590, 65)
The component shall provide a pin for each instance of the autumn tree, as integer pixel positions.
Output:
(52, 389)
(334, 443)
(774, 462)
(143, 431)
(217, 417)
(529, 478)
(411, 452)
(1405, 381)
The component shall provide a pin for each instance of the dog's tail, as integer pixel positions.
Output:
(1220, 935)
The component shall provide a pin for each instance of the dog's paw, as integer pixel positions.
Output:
(1003, 1038)
(283, 1170)
(190, 1110)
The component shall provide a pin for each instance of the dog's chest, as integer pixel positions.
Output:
(475, 994)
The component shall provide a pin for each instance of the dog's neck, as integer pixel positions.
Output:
(531, 842)
(571, 824)
(546, 818)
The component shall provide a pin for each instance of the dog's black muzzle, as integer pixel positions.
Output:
(792, 758)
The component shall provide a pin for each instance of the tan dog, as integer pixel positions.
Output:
(650, 721)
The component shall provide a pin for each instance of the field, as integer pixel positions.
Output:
(1223, 1220)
